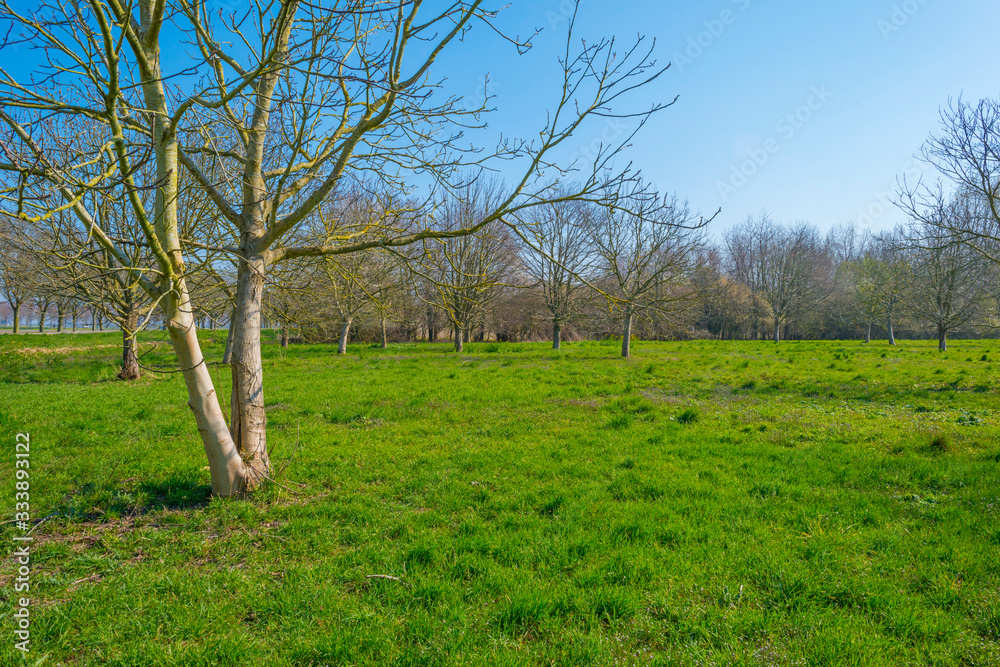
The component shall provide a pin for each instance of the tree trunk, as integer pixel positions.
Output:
(247, 419)
(74, 321)
(284, 337)
(17, 318)
(942, 340)
(627, 337)
(233, 453)
(100, 323)
(868, 333)
(93, 321)
(556, 335)
(385, 337)
(345, 329)
(227, 355)
(777, 331)
(227, 467)
(130, 361)
(458, 339)
(59, 321)
(892, 336)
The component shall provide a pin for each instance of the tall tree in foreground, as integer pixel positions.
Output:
(270, 110)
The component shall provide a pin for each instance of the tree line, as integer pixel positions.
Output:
(579, 271)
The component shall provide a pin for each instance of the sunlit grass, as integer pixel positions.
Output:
(705, 503)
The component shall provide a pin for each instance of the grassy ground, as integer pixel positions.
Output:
(707, 503)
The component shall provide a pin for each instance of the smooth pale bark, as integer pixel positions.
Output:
(385, 337)
(777, 332)
(892, 336)
(247, 419)
(17, 318)
(556, 335)
(345, 330)
(234, 471)
(224, 461)
(130, 360)
(942, 340)
(627, 337)
(868, 333)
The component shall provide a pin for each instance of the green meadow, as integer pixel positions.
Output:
(706, 503)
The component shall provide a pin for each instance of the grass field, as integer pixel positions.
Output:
(707, 503)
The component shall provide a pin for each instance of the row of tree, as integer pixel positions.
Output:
(568, 268)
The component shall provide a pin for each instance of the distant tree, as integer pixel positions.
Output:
(646, 253)
(727, 305)
(951, 281)
(465, 272)
(786, 266)
(15, 276)
(893, 277)
(558, 250)
(863, 276)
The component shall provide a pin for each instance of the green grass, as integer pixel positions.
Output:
(707, 503)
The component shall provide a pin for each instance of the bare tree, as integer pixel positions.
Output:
(864, 283)
(645, 256)
(465, 272)
(270, 111)
(893, 276)
(966, 151)
(786, 266)
(15, 279)
(558, 252)
(951, 281)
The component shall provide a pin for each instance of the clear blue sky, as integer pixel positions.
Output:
(875, 71)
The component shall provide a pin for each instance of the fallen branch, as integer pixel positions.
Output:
(389, 577)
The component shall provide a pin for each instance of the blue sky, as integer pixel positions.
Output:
(810, 110)
(863, 80)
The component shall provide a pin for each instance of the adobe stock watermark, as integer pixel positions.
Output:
(884, 200)
(786, 128)
(599, 146)
(22, 542)
(483, 95)
(562, 13)
(698, 44)
(901, 14)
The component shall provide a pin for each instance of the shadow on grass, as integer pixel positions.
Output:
(113, 501)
